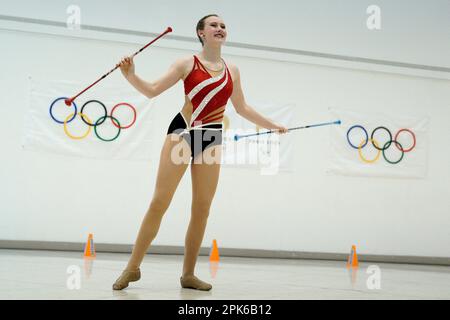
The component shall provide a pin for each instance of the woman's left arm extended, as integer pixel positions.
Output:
(246, 111)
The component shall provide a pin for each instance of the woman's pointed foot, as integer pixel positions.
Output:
(192, 282)
(125, 278)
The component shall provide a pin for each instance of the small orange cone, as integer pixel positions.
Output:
(353, 258)
(214, 254)
(89, 249)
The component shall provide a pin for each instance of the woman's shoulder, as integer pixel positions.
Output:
(184, 64)
(234, 70)
(185, 61)
(231, 65)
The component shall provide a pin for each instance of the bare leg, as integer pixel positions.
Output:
(169, 176)
(204, 183)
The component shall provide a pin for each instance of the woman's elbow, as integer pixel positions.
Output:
(240, 110)
(150, 95)
(151, 92)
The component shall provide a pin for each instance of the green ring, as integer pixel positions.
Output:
(113, 119)
(384, 148)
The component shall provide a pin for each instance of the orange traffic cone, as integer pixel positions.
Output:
(89, 249)
(214, 254)
(353, 258)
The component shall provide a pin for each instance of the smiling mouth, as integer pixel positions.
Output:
(221, 36)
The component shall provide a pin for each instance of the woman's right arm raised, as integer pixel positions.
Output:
(152, 89)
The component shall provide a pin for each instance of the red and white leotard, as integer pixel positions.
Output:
(206, 93)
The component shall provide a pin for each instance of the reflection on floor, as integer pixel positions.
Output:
(67, 275)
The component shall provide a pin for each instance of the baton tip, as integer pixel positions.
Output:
(68, 102)
(236, 137)
(169, 29)
(338, 122)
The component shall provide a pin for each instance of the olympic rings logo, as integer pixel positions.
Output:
(89, 122)
(386, 145)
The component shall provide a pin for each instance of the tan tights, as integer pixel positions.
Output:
(204, 183)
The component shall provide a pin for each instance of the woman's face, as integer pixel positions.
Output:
(215, 31)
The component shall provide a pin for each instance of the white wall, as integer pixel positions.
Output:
(412, 31)
(53, 198)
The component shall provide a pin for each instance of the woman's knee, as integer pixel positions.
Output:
(159, 205)
(200, 209)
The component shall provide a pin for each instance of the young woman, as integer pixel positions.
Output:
(208, 82)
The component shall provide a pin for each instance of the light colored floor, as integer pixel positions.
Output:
(52, 274)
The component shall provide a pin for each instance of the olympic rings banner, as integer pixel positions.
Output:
(110, 122)
(379, 145)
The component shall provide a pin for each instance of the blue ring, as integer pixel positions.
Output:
(367, 136)
(51, 107)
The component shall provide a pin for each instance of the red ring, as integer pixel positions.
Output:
(414, 139)
(123, 104)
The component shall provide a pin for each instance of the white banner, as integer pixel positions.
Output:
(268, 153)
(44, 134)
(360, 145)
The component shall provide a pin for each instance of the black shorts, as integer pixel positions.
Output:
(198, 138)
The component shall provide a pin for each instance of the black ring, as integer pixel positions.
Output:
(390, 138)
(401, 148)
(103, 118)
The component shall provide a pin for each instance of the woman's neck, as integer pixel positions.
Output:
(213, 55)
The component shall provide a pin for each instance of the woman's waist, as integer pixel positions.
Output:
(200, 120)
(201, 125)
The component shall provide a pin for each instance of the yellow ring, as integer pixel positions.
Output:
(74, 137)
(378, 154)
